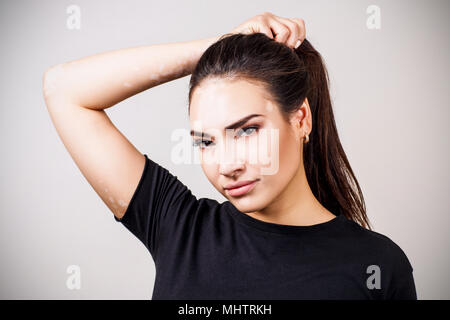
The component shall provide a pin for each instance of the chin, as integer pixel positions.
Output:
(247, 204)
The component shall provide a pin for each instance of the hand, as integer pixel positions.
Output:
(290, 32)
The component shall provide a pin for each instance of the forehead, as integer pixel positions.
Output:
(219, 102)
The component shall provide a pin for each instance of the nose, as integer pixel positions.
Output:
(230, 163)
(231, 169)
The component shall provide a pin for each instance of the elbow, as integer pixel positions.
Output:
(50, 80)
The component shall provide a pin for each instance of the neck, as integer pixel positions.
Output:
(296, 205)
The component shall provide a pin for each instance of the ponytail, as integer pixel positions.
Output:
(327, 168)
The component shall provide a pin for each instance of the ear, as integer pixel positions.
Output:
(301, 120)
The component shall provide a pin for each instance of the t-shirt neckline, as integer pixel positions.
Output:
(279, 228)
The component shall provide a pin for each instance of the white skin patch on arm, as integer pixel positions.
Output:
(113, 203)
(122, 203)
(111, 199)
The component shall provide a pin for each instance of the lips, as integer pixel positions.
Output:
(238, 184)
(245, 187)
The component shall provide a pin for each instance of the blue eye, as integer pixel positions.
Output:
(203, 144)
(249, 128)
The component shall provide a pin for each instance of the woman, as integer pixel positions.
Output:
(294, 227)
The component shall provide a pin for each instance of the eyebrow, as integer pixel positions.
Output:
(234, 125)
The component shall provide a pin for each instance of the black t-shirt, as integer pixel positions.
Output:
(204, 249)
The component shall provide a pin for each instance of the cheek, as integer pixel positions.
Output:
(288, 156)
(261, 149)
(290, 152)
(268, 150)
(210, 157)
(211, 173)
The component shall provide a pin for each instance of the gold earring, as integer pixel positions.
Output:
(306, 138)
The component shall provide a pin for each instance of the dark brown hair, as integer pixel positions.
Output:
(289, 77)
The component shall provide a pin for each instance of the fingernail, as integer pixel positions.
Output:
(297, 44)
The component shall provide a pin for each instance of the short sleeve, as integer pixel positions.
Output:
(159, 196)
(402, 286)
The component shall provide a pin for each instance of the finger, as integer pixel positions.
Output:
(279, 29)
(266, 30)
(301, 24)
(294, 29)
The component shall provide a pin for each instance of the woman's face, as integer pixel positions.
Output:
(265, 148)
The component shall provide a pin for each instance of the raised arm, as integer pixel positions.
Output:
(77, 92)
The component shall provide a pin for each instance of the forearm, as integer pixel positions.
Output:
(102, 80)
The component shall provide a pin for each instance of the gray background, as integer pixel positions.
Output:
(390, 90)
